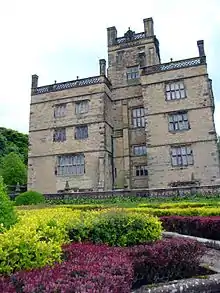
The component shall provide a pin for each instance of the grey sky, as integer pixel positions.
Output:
(59, 40)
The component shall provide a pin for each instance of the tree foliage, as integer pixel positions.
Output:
(13, 141)
(13, 169)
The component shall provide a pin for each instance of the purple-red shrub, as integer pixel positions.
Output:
(206, 227)
(6, 286)
(86, 268)
(89, 268)
(167, 259)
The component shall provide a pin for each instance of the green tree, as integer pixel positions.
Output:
(13, 169)
(13, 141)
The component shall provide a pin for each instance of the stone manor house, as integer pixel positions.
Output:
(138, 124)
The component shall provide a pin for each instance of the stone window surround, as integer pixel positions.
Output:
(182, 154)
(81, 132)
(141, 149)
(175, 82)
(140, 170)
(71, 164)
(174, 123)
(84, 104)
(59, 134)
(60, 110)
(135, 118)
(132, 72)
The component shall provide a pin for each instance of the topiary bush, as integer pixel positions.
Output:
(118, 228)
(8, 215)
(29, 198)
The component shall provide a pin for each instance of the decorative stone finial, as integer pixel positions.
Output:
(67, 187)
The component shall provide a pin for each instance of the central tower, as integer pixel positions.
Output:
(126, 56)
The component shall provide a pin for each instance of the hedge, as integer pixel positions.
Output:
(205, 227)
(164, 260)
(203, 211)
(118, 228)
(35, 241)
(29, 198)
(101, 269)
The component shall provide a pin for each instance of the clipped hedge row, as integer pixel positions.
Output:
(205, 227)
(183, 204)
(203, 211)
(118, 228)
(135, 200)
(101, 269)
(164, 260)
(35, 241)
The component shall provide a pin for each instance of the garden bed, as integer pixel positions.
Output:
(102, 269)
(205, 227)
(100, 248)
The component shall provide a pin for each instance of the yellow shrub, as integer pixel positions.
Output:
(36, 240)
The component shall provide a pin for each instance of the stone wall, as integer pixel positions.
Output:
(201, 135)
(43, 151)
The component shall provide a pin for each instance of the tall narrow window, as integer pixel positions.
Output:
(175, 90)
(178, 121)
(132, 72)
(82, 107)
(70, 165)
(181, 156)
(81, 132)
(138, 117)
(59, 135)
(60, 110)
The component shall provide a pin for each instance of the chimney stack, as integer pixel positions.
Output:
(102, 67)
(112, 35)
(149, 27)
(201, 49)
(34, 82)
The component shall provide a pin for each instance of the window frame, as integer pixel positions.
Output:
(175, 90)
(77, 104)
(176, 122)
(58, 132)
(133, 74)
(77, 165)
(61, 113)
(183, 159)
(77, 127)
(142, 146)
(139, 168)
(140, 118)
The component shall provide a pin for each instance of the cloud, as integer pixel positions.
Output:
(59, 40)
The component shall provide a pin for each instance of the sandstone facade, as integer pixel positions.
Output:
(142, 124)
